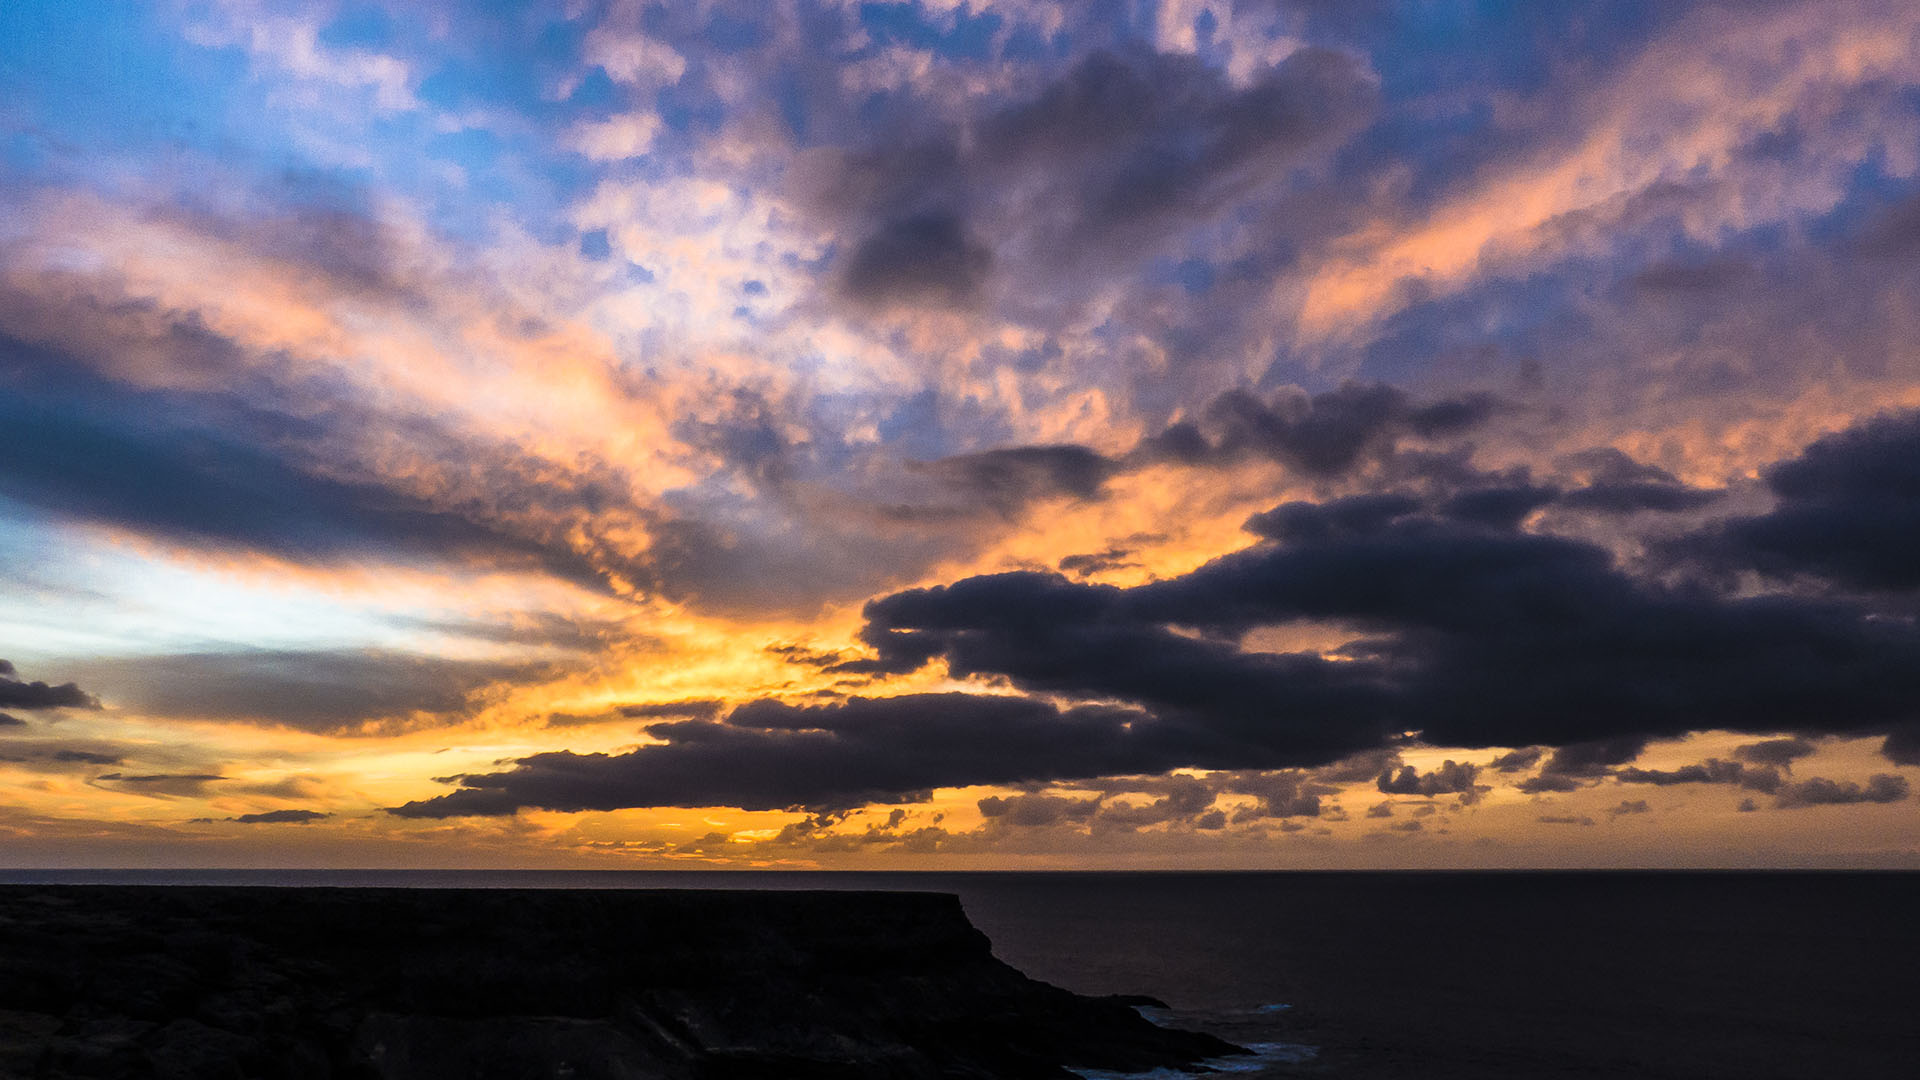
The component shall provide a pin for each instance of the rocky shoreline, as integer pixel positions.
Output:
(322, 983)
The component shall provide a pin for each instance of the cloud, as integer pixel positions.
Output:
(1848, 508)
(1518, 760)
(1880, 788)
(1579, 765)
(62, 757)
(1007, 479)
(1778, 752)
(1282, 793)
(617, 138)
(1319, 435)
(161, 785)
(1035, 810)
(281, 817)
(1471, 634)
(768, 755)
(1764, 778)
(1637, 497)
(927, 259)
(207, 469)
(1902, 745)
(316, 690)
(1097, 170)
(689, 708)
(1088, 564)
(7, 721)
(86, 757)
(18, 694)
(1450, 778)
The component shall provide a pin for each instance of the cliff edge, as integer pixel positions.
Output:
(323, 983)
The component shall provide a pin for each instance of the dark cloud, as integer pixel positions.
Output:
(62, 756)
(209, 469)
(1702, 275)
(1468, 633)
(746, 436)
(85, 757)
(1893, 232)
(1498, 507)
(1518, 760)
(1183, 800)
(1319, 435)
(1632, 498)
(1630, 806)
(1036, 810)
(1848, 509)
(281, 817)
(1880, 788)
(7, 721)
(1591, 759)
(1363, 766)
(1051, 636)
(1451, 778)
(1576, 765)
(686, 708)
(1095, 171)
(1008, 479)
(1472, 635)
(924, 259)
(322, 690)
(317, 222)
(1282, 793)
(1763, 778)
(1332, 521)
(161, 785)
(1902, 745)
(1617, 484)
(769, 755)
(1099, 562)
(1546, 783)
(806, 656)
(1778, 752)
(18, 694)
(1551, 819)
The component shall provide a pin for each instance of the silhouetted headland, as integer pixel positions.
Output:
(214, 982)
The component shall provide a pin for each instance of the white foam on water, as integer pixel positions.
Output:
(1264, 1054)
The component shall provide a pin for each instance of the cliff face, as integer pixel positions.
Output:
(119, 981)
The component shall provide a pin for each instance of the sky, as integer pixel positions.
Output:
(935, 435)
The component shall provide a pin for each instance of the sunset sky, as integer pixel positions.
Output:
(997, 434)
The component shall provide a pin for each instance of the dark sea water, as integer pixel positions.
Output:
(1425, 976)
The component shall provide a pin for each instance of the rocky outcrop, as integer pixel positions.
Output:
(203, 982)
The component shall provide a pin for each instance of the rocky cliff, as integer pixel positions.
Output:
(208, 983)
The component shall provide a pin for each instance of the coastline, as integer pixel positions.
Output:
(202, 981)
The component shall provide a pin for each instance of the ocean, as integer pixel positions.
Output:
(1416, 975)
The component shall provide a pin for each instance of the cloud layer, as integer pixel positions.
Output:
(1094, 423)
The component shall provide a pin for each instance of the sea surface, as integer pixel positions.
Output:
(1424, 976)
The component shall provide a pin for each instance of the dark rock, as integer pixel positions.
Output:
(314, 984)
